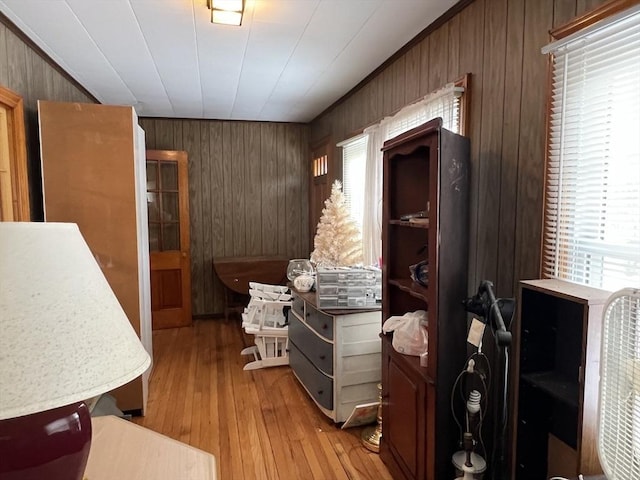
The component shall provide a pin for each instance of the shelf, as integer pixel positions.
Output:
(410, 224)
(411, 362)
(412, 288)
(557, 386)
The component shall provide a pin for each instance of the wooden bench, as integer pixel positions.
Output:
(235, 273)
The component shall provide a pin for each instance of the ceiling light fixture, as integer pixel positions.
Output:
(227, 12)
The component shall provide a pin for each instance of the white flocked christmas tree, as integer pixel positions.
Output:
(338, 241)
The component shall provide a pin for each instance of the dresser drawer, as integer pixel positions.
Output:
(320, 322)
(315, 348)
(317, 383)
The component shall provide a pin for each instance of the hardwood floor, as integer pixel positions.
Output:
(259, 424)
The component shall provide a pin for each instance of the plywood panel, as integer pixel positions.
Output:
(505, 281)
(253, 184)
(490, 155)
(216, 203)
(398, 70)
(454, 50)
(472, 60)
(4, 58)
(190, 141)
(269, 172)
(563, 12)
(424, 66)
(412, 76)
(204, 220)
(438, 58)
(228, 205)
(539, 15)
(584, 6)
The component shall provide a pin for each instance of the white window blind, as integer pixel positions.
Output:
(354, 156)
(444, 103)
(592, 198)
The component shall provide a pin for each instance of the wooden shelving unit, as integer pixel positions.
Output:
(424, 169)
(555, 376)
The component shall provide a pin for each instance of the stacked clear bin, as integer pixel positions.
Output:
(349, 287)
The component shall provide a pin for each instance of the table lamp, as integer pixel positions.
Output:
(64, 339)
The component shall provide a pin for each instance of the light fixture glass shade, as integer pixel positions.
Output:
(226, 18)
(64, 337)
(227, 12)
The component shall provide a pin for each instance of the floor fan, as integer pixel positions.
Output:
(619, 422)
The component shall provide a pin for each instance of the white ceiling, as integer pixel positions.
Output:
(289, 60)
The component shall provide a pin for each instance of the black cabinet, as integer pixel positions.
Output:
(555, 376)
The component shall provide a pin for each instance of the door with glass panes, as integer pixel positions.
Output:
(168, 208)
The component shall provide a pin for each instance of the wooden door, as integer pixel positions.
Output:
(168, 208)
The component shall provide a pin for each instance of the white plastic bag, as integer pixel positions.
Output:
(409, 332)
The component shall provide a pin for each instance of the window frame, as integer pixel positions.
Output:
(590, 18)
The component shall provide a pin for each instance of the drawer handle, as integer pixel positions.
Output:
(307, 315)
(322, 357)
(325, 326)
(320, 392)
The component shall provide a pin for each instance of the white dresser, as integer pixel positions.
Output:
(335, 354)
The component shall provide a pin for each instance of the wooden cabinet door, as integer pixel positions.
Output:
(404, 415)
(168, 212)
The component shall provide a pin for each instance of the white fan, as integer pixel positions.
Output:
(619, 426)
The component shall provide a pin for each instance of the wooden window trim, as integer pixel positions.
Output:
(17, 154)
(603, 11)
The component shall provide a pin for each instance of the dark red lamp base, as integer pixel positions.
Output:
(51, 445)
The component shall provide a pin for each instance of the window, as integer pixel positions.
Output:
(354, 157)
(592, 192)
(362, 158)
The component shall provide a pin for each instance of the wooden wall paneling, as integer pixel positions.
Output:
(438, 58)
(584, 6)
(164, 135)
(490, 159)
(425, 64)
(269, 175)
(187, 137)
(228, 204)
(253, 185)
(4, 56)
(217, 203)
(506, 282)
(471, 60)
(375, 114)
(281, 194)
(399, 73)
(292, 180)
(412, 75)
(454, 71)
(17, 66)
(206, 235)
(387, 91)
(563, 12)
(238, 190)
(354, 114)
(149, 127)
(538, 18)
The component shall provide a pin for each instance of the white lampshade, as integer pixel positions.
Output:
(64, 337)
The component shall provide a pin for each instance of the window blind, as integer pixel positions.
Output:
(592, 194)
(354, 153)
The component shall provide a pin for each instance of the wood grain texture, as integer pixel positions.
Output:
(259, 424)
(499, 43)
(248, 187)
(490, 159)
(471, 60)
(505, 281)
